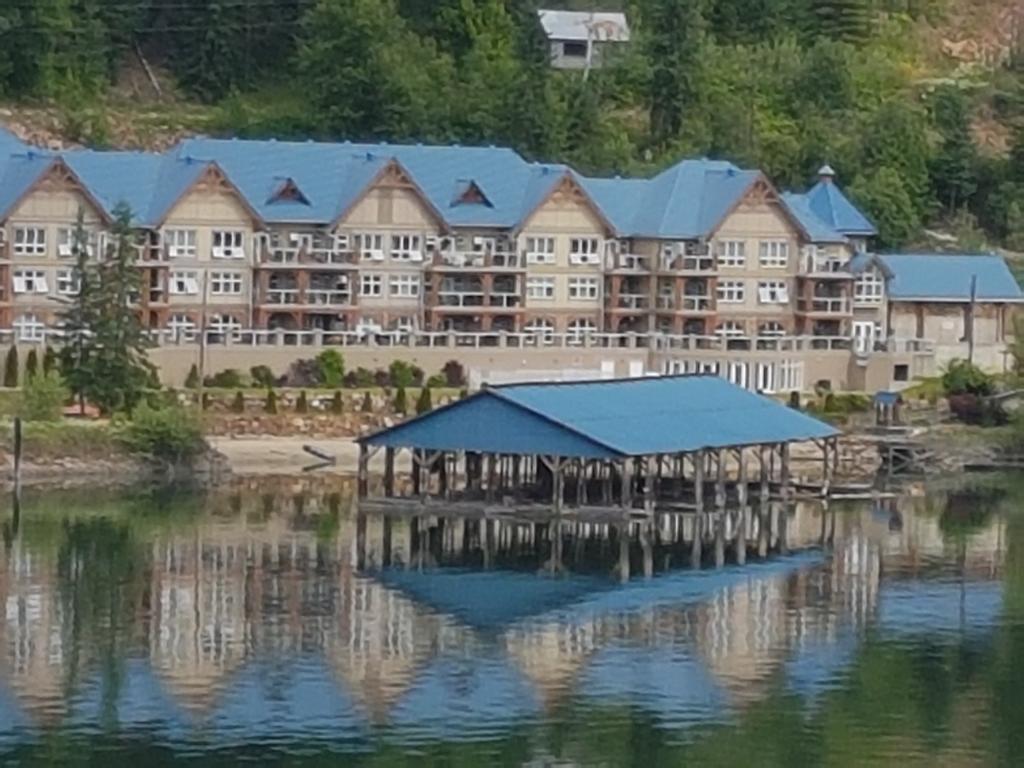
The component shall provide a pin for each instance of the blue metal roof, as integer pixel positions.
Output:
(830, 205)
(606, 419)
(941, 277)
(20, 172)
(817, 230)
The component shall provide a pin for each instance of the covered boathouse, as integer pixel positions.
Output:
(669, 443)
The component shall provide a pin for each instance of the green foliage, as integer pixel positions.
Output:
(301, 403)
(31, 364)
(367, 405)
(963, 378)
(437, 381)
(401, 374)
(11, 367)
(454, 374)
(238, 404)
(192, 379)
(331, 367)
(169, 433)
(424, 402)
(262, 376)
(270, 404)
(50, 360)
(205, 401)
(401, 403)
(953, 165)
(337, 403)
(43, 397)
(229, 378)
(887, 201)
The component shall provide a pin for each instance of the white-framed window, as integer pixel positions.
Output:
(369, 245)
(540, 250)
(228, 244)
(29, 241)
(542, 328)
(584, 250)
(181, 243)
(224, 324)
(183, 283)
(732, 253)
(180, 325)
(583, 288)
(226, 283)
(68, 282)
(868, 288)
(404, 286)
(371, 285)
(772, 292)
(731, 291)
(29, 327)
(30, 281)
(731, 329)
(578, 329)
(65, 242)
(771, 329)
(406, 248)
(774, 254)
(540, 288)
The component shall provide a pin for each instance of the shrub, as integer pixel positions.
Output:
(11, 367)
(229, 378)
(50, 361)
(401, 374)
(270, 405)
(238, 404)
(192, 380)
(303, 373)
(423, 402)
(454, 374)
(961, 377)
(437, 381)
(302, 404)
(170, 433)
(972, 409)
(331, 368)
(262, 376)
(206, 401)
(381, 378)
(360, 378)
(401, 401)
(367, 406)
(31, 364)
(43, 397)
(337, 402)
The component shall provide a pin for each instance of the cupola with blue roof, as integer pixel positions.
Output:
(829, 204)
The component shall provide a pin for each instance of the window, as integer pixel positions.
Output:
(577, 330)
(772, 292)
(226, 283)
(584, 250)
(540, 250)
(29, 328)
(731, 291)
(65, 242)
(774, 253)
(583, 288)
(731, 329)
(370, 246)
(371, 285)
(68, 282)
(224, 324)
(901, 372)
(544, 329)
(732, 253)
(406, 248)
(404, 286)
(30, 281)
(184, 283)
(181, 243)
(540, 288)
(29, 241)
(180, 325)
(227, 244)
(868, 288)
(574, 49)
(771, 329)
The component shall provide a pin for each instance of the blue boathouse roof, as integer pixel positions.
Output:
(606, 419)
(940, 277)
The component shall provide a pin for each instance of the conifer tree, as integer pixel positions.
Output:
(31, 364)
(676, 38)
(78, 316)
(11, 367)
(424, 403)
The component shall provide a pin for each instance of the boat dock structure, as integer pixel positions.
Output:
(638, 445)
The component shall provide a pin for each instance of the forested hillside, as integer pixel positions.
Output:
(918, 104)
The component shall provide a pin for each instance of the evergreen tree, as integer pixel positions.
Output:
(270, 404)
(896, 138)
(337, 403)
(78, 317)
(50, 361)
(31, 364)
(302, 404)
(884, 196)
(11, 367)
(954, 164)
(401, 402)
(238, 404)
(675, 42)
(117, 367)
(424, 403)
(192, 379)
(848, 20)
(367, 406)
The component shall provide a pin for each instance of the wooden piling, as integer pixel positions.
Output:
(389, 472)
(362, 478)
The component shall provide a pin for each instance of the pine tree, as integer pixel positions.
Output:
(50, 361)
(953, 167)
(424, 404)
(367, 406)
(270, 404)
(11, 368)
(31, 365)
(401, 402)
(337, 403)
(848, 20)
(78, 316)
(302, 404)
(675, 45)
(238, 404)
(192, 379)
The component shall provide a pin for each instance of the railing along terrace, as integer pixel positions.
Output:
(819, 264)
(832, 305)
(477, 259)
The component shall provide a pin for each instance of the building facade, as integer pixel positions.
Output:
(705, 264)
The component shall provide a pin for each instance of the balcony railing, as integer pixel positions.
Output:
(282, 296)
(478, 260)
(628, 262)
(460, 299)
(822, 305)
(818, 264)
(505, 300)
(301, 254)
(633, 301)
(690, 264)
(697, 304)
(328, 298)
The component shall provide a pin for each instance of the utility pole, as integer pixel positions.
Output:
(970, 319)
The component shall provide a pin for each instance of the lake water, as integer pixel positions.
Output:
(274, 624)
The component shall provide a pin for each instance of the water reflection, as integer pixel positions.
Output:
(283, 615)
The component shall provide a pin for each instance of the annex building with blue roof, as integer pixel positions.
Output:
(509, 266)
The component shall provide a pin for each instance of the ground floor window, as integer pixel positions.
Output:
(29, 327)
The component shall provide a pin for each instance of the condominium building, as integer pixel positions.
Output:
(703, 261)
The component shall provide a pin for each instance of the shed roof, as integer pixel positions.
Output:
(584, 25)
(942, 277)
(606, 419)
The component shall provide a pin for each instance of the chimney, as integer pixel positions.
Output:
(826, 174)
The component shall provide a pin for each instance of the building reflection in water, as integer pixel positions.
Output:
(417, 620)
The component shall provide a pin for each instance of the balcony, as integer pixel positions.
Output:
(687, 264)
(633, 302)
(505, 300)
(477, 260)
(460, 299)
(313, 251)
(824, 305)
(282, 296)
(822, 265)
(628, 262)
(322, 297)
